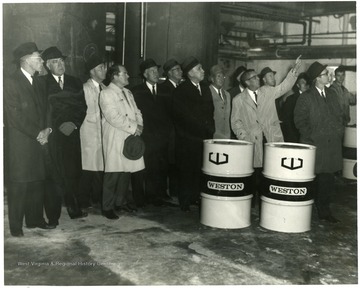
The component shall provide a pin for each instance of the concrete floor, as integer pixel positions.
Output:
(165, 246)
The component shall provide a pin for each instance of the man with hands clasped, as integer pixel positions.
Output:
(68, 110)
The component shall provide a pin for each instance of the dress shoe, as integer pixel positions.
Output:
(41, 226)
(185, 208)
(17, 234)
(80, 214)
(329, 218)
(125, 208)
(110, 215)
(54, 223)
(158, 202)
(166, 198)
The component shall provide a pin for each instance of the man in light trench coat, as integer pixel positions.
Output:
(91, 136)
(121, 118)
(254, 117)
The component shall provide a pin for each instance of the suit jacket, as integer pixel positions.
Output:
(25, 116)
(90, 131)
(321, 123)
(66, 105)
(222, 110)
(167, 85)
(234, 91)
(193, 116)
(154, 110)
(250, 121)
(290, 132)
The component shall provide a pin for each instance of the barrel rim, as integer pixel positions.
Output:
(226, 198)
(228, 174)
(273, 144)
(286, 203)
(289, 179)
(211, 141)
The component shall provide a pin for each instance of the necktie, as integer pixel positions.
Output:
(153, 90)
(198, 87)
(99, 101)
(255, 97)
(61, 84)
(220, 95)
(323, 95)
(125, 97)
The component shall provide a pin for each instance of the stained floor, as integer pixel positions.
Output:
(165, 246)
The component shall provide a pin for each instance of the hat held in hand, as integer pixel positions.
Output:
(134, 147)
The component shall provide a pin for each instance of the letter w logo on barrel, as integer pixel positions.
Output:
(218, 161)
(291, 163)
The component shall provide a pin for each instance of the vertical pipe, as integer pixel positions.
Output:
(145, 28)
(310, 31)
(142, 31)
(124, 30)
(344, 39)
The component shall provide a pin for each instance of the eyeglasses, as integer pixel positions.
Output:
(56, 61)
(255, 76)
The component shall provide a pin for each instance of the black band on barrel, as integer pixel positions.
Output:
(287, 191)
(226, 186)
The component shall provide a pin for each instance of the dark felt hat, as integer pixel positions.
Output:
(24, 49)
(148, 63)
(134, 147)
(265, 71)
(315, 70)
(188, 64)
(168, 65)
(92, 62)
(52, 53)
(238, 71)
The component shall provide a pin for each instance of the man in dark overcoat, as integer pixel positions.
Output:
(26, 134)
(68, 110)
(321, 123)
(152, 102)
(173, 74)
(193, 114)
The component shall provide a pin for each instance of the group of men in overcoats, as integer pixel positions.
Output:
(63, 143)
(43, 163)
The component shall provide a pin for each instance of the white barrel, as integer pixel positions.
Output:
(350, 154)
(226, 183)
(286, 216)
(350, 137)
(289, 161)
(225, 212)
(287, 188)
(228, 157)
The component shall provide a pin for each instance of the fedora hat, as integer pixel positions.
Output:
(92, 62)
(188, 64)
(148, 63)
(265, 71)
(52, 53)
(314, 70)
(238, 72)
(24, 49)
(134, 147)
(168, 65)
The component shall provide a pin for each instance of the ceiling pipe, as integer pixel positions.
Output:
(313, 52)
